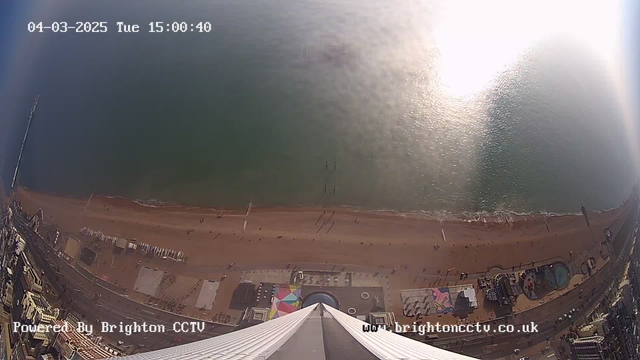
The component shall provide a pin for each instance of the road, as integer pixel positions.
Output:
(96, 303)
(594, 289)
(79, 290)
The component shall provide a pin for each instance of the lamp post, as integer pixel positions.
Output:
(447, 274)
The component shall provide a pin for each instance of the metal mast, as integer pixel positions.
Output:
(24, 141)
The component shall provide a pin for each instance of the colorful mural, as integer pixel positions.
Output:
(286, 299)
(432, 301)
(442, 300)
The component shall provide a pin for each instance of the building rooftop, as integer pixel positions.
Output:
(84, 346)
(39, 301)
(588, 339)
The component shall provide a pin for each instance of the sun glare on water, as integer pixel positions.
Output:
(479, 40)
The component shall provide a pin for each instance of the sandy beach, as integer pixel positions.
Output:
(408, 249)
(334, 236)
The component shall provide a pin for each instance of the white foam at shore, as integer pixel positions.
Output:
(497, 216)
(142, 202)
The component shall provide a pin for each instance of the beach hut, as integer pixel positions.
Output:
(120, 243)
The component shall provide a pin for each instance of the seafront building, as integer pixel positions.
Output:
(37, 311)
(595, 327)
(623, 332)
(73, 344)
(613, 335)
(22, 297)
(588, 348)
(24, 302)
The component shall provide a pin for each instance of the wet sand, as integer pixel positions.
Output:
(316, 235)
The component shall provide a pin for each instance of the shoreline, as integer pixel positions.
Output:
(482, 217)
(339, 236)
(410, 250)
